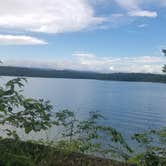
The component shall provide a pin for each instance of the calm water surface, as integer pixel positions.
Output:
(128, 106)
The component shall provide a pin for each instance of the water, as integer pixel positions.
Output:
(130, 107)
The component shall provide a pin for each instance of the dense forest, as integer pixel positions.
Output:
(52, 73)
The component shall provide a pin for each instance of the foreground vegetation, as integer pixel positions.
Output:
(18, 153)
(80, 139)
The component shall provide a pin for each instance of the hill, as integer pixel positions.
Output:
(52, 73)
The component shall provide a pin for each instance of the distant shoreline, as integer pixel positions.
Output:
(71, 74)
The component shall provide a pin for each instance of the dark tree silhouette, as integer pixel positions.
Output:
(164, 68)
(164, 51)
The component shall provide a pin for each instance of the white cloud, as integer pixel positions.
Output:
(19, 40)
(59, 16)
(90, 62)
(143, 13)
(134, 8)
(145, 64)
(49, 16)
(142, 25)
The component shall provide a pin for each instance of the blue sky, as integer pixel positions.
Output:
(97, 35)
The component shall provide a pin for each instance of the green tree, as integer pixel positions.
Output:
(164, 68)
(20, 112)
(89, 136)
(154, 143)
(86, 136)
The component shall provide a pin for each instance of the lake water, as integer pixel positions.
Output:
(130, 107)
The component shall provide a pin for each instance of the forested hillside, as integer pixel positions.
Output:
(52, 73)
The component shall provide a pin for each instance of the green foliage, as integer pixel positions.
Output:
(88, 136)
(21, 112)
(17, 111)
(67, 120)
(136, 159)
(12, 134)
(30, 154)
(154, 143)
(69, 146)
(15, 160)
(164, 67)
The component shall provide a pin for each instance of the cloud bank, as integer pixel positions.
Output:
(90, 62)
(48, 16)
(59, 16)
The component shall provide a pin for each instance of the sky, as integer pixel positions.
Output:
(93, 35)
